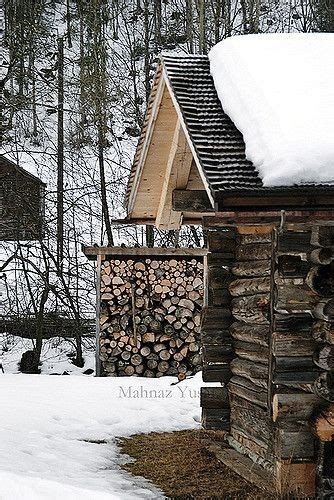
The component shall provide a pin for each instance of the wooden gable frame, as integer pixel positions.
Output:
(166, 162)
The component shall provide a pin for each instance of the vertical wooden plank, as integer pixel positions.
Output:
(274, 246)
(295, 479)
(98, 306)
(205, 281)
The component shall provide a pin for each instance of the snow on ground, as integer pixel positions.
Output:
(51, 429)
(278, 90)
(55, 356)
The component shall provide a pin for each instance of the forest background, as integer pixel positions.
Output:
(75, 79)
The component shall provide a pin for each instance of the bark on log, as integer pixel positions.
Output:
(249, 286)
(257, 374)
(246, 389)
(251, 269)
(252, 310)
(257, 334)
(214, 397)
(294, 406)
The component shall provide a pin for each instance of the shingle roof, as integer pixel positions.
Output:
(219, 144)
(8, 166)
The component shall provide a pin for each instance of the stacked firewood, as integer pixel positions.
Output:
(150, 316)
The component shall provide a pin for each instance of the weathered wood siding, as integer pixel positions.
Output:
(267, 335)
(21, 204)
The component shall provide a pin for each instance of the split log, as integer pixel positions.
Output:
(257, 374)
(294, 441)
(251, 269)
(255, 251)
(292, 344)
(251, 352)
(253, 309)
(150, 315)
(214, 397)
(249, 286)
(245, 389)
(257, 334)
(295, 406)
(216, 418)
(324, 386)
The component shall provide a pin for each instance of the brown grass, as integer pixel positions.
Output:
(180, 464)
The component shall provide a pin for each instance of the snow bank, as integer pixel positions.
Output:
(57, 433)
(278, 89)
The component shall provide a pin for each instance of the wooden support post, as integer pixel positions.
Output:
(98, 305)
(296, 479)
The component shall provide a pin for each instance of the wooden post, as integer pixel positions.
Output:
(98, 304)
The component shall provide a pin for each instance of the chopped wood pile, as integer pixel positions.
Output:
(150, 316)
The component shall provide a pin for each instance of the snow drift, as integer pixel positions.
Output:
(279, 91)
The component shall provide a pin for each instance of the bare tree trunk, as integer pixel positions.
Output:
(190, 25)
(40, 330)
(60, 156)
(105, 208)
(157, 21)
(217, 20)
(202, 27)
(68, 24)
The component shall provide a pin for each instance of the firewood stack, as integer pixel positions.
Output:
(150, 316)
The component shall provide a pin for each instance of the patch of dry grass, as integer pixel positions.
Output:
(180, 464)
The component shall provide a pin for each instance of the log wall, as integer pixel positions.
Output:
(149, 315)
(267, 335)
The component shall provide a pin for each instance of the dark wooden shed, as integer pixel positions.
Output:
(21, 203)
(267, 323)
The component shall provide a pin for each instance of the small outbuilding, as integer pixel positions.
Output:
(267, 323)
(21, 203)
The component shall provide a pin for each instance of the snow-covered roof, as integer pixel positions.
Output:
(214, 135)
(278, 90)
(218, 143)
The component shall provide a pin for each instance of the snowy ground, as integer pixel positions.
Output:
(55, 355)
(50, 427)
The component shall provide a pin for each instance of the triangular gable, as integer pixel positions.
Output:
(165, 161)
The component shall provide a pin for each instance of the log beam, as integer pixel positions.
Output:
(176, 176)
(191, 201)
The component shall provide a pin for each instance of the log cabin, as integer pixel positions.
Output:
(267, 324)
(21, 203)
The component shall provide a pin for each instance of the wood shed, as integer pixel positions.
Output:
(267, 321)
(21, 203)
(149, 304)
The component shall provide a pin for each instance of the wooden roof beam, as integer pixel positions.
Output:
(191, 201)
(176, 177)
